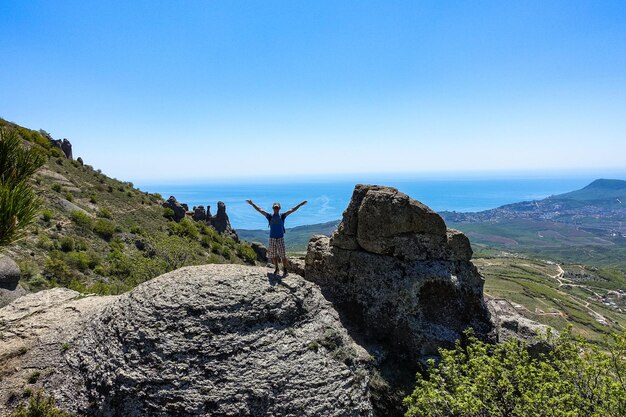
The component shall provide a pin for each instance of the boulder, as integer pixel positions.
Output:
(218, 340)
(9, 273)
(510, 324)
(199, 214)
(399, 275)
(64, 145)
(260, 250)
(178, 208)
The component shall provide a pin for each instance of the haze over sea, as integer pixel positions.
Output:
(329, 197)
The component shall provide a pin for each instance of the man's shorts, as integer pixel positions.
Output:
(277, 248)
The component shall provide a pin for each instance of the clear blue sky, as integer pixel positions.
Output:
(148, 90)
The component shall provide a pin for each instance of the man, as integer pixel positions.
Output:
(276, 250)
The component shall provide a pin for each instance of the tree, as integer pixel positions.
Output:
(18, 203)
(575, 379)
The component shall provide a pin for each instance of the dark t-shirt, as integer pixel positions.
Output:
(277, 223)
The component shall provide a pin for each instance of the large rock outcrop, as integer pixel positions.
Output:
(214, 340)
(64, 145)
(398, 275)
(178, 208)
(221, 223)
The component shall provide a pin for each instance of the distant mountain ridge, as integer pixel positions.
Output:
(586, 225)
(601, 189)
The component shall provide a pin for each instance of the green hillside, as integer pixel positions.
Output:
(612, 192)
(98, 234)
(592, 300)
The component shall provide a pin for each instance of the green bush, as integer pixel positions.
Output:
(104, 228)
(67, 243)
(93, 199)
(44, 242)
(189, 228)
(206, 241)
(57, 187)
(105, 213)
(136, 230)
(247, 253)
(483, 380)
(58, 270)
(69, 196)
(79, 260)
(39, 405)
(19, 205)
(217, 248)
(47, 215)
(82, 219)
(168, 213)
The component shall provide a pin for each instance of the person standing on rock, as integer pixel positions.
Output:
(276, 220)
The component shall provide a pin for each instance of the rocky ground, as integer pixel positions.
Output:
(222, 340)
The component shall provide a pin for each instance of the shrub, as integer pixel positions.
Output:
(168, 213)
(110, 188)
(573, 379)
(93, 199)
(44, 242)
(136, 230)
(78, 260)
(69, 196)
(58, 270)
(56, 187)
(18, 202)
(217, 248)
(104, 228)
(247, 253)
(105, 213)
(206, 241)
(82, 219)
(47, 215)
(80, 244)
(67, 243)
(39, 405)
(189, 228)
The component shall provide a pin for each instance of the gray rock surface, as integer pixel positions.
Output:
(7, 296)
(64, 145)
(296, 265)
(260, 250)
(398, 275)
(9, 273)
(214, 340)
(199, 214)
(510, 324)
(9, 278)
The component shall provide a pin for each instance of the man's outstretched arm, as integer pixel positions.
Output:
(257, 208)
(288, 212)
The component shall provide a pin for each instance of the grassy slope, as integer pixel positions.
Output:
(122, 238)
(582, 296)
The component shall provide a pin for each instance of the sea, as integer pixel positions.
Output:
(327, 198)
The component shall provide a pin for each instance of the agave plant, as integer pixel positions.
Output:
(19, 204)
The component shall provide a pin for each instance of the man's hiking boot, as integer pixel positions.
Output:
(276, 271)
(285, 273)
